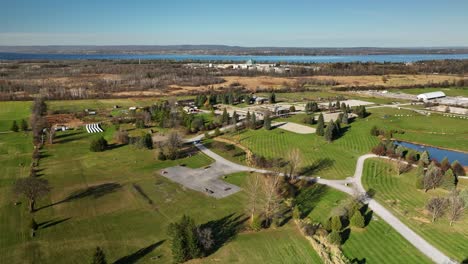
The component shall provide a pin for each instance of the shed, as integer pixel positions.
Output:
(430, 96)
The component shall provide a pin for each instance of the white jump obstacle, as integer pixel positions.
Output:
(93, 128)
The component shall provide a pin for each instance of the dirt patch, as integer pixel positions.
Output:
(68, 120)
(294, 127)
(421, 219)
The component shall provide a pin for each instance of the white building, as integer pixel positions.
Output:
(430, 96)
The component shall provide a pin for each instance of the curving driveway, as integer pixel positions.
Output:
(353, 186)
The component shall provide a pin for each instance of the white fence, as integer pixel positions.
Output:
(93, 128)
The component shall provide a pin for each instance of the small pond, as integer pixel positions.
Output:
(437, 153)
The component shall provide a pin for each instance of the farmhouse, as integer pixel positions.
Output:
(430, 96)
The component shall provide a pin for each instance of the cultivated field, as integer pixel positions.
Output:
(399, 194)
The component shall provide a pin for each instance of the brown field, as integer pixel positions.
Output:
(252, 83)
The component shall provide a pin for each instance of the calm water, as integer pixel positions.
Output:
(214, 58)
(437, 153)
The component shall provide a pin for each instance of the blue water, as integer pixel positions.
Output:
(438, 154)
(214, 58)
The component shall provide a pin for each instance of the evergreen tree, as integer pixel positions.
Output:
(449, 180)
(345, 119)
(248, 120)
(334, 238)
(254, 120)
(337, 131)
(217, 132)
(98, 145)
(225, 117)
(336, 223)
(458, 169)
(320, 126)
(235, 118)
(329, 131)
(99, 257)
(14, 126)
(24, 125)
(272, 98)
(445, 164)
(343, 108)
(425, 158)
(357, 220)
(190, 233)
(267, 122)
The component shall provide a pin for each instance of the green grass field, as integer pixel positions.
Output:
(116, 200)
(377, 243)
(398, 193)
(337, 160)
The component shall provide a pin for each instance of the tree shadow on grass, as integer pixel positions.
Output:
(368, 217)
(317, 166)
(114, 146)
(358, 261)
(51, 223)
(61, 136)
(345, 234)
(224, 229)
(308, 198)
(70, 139)
(92, 191)
(136, 256)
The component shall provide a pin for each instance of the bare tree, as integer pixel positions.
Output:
(436, 206)
(402, 167)
(294, 158)
(205, 237)
(253, 191)
(271, 198)
(31, 188)
(456, 207)
(172, 145)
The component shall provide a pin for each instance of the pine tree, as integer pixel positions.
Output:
(448, 180)
(225, 117)
(329, 131)
(235, 118)
(24, 125)
(425, 158)
(345, 119)
(336, 223)
(272, 98)
(458, 169)
(267, 122)
(14, 126)
(343, 108)
(320, 126)
(99, 257)
(445, 164)
(248, 120)
(357, 220)
(254, 120)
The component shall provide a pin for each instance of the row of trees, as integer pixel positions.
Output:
(453, 205)
(23, 125)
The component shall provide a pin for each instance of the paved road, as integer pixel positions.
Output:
(353, 186)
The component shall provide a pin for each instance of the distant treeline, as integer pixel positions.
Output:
(113, 79)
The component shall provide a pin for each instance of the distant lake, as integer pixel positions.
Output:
(217, 58)
(437, 153)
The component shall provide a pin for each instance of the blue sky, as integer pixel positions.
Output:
(300, 23)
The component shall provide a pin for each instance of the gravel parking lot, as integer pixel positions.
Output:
(205, 180)
(294, 127)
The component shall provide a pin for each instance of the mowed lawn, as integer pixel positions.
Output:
(376, 243)
(116, 200)
(337, 160)
(330, 160)
(398, 193)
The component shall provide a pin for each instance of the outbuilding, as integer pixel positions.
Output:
(430, 96)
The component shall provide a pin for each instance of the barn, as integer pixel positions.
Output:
(430, 96)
